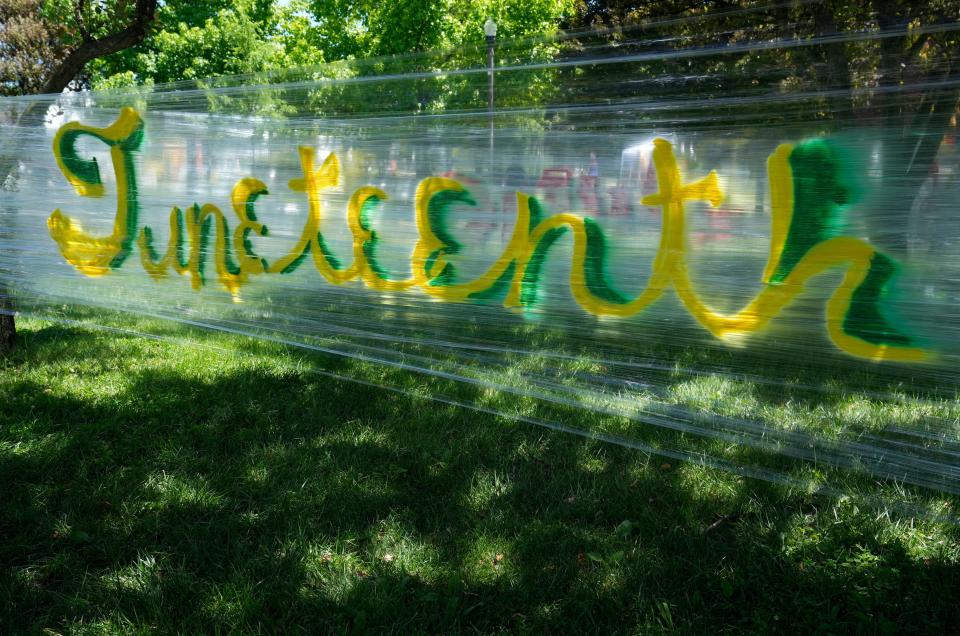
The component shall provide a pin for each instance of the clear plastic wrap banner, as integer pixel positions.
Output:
(632, 248)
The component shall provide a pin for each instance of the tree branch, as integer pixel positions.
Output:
(92, 49)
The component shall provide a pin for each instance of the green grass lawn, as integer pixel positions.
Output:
(219, 484)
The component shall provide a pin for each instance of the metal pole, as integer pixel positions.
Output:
(491, 40)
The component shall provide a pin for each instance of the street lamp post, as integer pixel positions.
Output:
(490, 30)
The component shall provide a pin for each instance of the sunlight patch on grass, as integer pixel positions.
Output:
(142, 577)
(489, 560)
(716, 394)
(712, 488)
(332, 571)
(395, 547)
(486, 488)
(592, 463)
(170, 491)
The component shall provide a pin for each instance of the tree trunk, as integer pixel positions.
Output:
(914, 124)
(8, 333)
(909, 154)
(91, 49)
(61, 77)
(32, 115)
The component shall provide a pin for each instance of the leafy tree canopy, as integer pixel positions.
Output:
(361, 28)
(234, 37)
(45, 44)
(193, 40)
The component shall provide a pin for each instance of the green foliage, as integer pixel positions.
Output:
(198, 40)
(36, 36)
(301, 42)
(363, 28)
(195, 41)
(825, 65)
(227, 44)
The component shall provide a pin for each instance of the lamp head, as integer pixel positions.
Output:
(490, 28)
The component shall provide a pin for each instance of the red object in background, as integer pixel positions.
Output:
(555, 181)
(587, 191)
(555, 178)
(621, 202)
(475, 226)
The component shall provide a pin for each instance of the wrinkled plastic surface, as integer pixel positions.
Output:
(621, 244)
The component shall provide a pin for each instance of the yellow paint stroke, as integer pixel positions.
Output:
(185, 254)
(853, 253)
(196, 222)
(310, 243)
(364, 238)
(95, 255)
(242, 198)
(429, 243)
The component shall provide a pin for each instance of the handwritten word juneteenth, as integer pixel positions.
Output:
(806, 195)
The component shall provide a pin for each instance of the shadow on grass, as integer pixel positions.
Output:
(266, 499)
